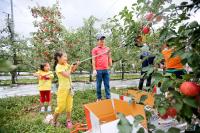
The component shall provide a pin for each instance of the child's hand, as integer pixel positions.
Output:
(74, 66)
(37, 75)
(46, 77)
(78, 63)
(94, 73)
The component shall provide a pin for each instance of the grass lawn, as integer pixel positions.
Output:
(21, 114)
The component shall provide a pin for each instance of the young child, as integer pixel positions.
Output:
(45, 77)
(64, 95)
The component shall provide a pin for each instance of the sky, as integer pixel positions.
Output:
(73, 11)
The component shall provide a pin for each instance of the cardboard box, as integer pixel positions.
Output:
(105, 111)
(137, 94)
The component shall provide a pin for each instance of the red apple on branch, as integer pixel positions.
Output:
(146, 30)
(171, 112)
(189, 89)
(165, 116)
(149, 16)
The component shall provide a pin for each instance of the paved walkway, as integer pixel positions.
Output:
(25, 90)
(73, 75)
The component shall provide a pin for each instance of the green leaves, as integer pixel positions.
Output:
(124, 126)
(162, 110)
(140, 1)
(6, 66)
(190, 101)
(173, 130)
(178, 105)
(141, 130)
(143, 98)
(148, 69)
(187, 77)
(166, 84)
(186, 112)
(184, 3)
(138, 119)
(159, 131)
(193, 24)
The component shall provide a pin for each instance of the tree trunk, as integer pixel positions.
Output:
(81, 71)
(122, 70)
(91, 70)
(14, 72)
(90, 76)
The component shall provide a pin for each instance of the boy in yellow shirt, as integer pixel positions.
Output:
(64, 94)
(45, 77)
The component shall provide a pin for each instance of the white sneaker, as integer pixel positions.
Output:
(49, 109)
(42, 109)
(98, 100)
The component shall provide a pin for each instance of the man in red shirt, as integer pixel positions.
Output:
(101, 65)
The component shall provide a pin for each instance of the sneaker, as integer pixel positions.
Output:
(98, 100)
(69, 124)
(42, 109)
(49, 109)
(54, 124)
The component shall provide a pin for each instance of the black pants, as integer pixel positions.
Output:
(178, 73)
(142, 80)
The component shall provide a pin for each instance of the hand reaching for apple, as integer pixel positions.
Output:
(75, 66)
(45, 77)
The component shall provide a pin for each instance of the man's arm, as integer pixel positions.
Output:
(109, 59)
(93, 64)
(93, 59)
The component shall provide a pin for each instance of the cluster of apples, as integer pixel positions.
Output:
(190, 89)
(149, 17)
(170, 112)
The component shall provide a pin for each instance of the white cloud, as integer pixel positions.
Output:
(73, 11)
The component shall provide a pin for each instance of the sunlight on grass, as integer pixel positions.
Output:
(21, 114)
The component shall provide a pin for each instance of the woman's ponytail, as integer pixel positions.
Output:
(56, 55)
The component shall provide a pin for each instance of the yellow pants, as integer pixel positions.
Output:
(64, 101)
